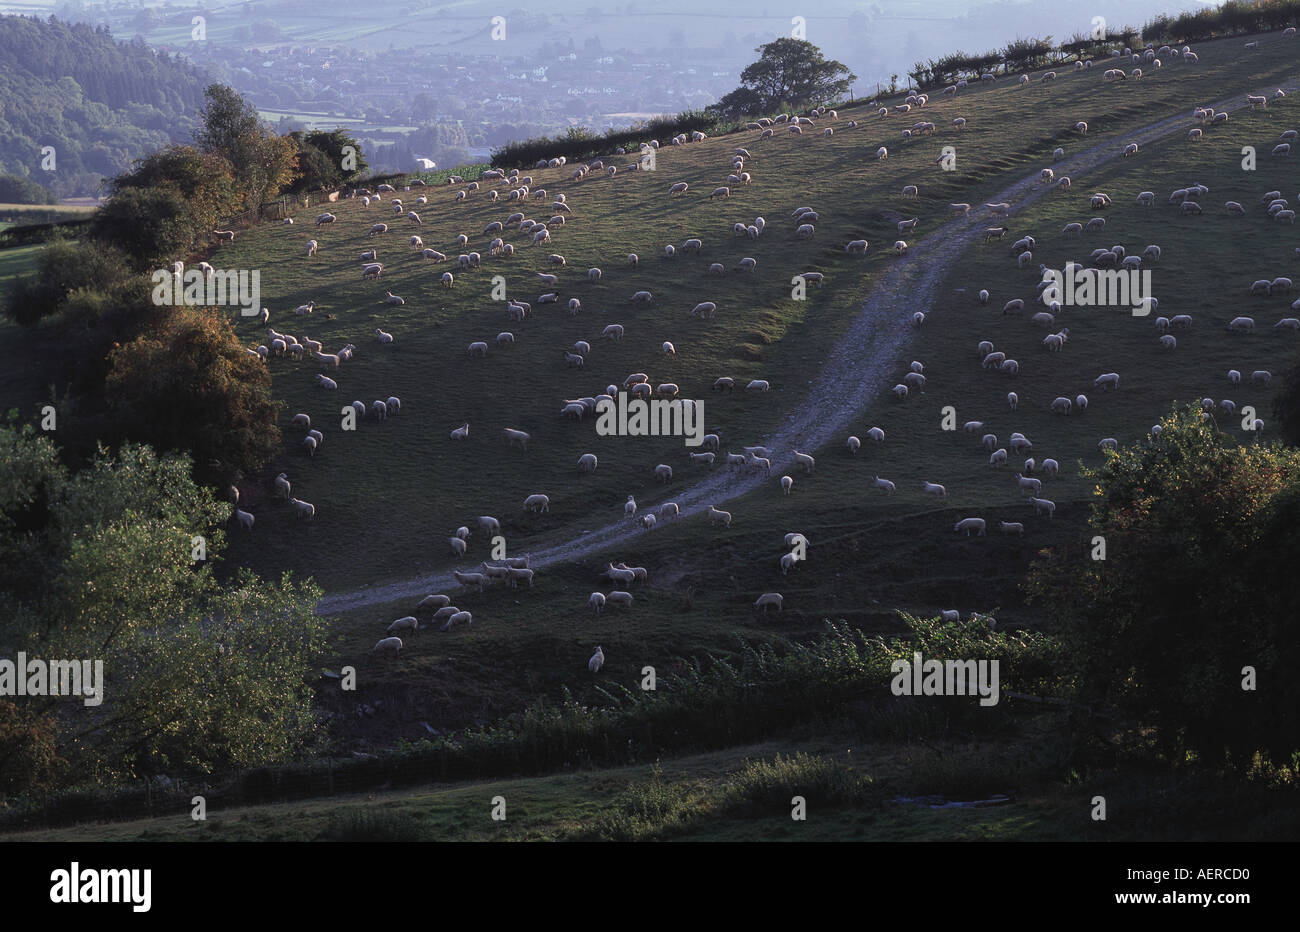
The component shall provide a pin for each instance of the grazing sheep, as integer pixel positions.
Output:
(768, 599)
(971, 524)
(1043, 506)
(854, 444)
(389, 645)
(716, 515)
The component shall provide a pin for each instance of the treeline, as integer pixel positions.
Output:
(98, 102)
(129, 368)
(108, 537)
(578, 143)
(1023, 55)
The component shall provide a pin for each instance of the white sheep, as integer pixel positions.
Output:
(716, 515)
(390, 645)
(1042, 505)
(971, 524)
(768, 599)
(935, 489)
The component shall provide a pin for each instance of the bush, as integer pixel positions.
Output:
(188, 384)
(766, 787)
(583, 146)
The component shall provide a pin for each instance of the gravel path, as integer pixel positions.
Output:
(852, 375)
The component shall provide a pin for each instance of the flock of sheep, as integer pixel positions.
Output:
(517, 189)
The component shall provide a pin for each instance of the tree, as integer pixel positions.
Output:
(15, 189)
(199, 676)
(204, 179)
(789, 73)
(189, 384)
(1198, 583)
(150, 225)
(262, 162)
(327, 160)
(64, 268)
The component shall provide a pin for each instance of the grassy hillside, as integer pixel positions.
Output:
(389, 494)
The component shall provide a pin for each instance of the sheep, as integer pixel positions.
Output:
(1051, 467)
(1108, 443)
(768, 599)
(716, 515)
(804, 460)
(724, 383)
(613, 331)
(1241, 325)
(1261, 376)
(805, 230)
(244, 518)
(760, 385)
(787, 482)
(389, 645)
(1107, 378)
(403, 624)
(1288, 323)
(512, 436)
(663, 472)
(1168, 341)
(881, 154)
(1029, 484)
(1042, 505)
(970, 524)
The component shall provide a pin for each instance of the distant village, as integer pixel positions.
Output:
(452, 108)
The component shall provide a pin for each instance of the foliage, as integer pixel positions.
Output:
(204, 180)
(790, 73)
(526, 153)
(98, 102)
(1198, 583)
(64, 268)
(262, 162)
(766, 787)
(189, 384)
(197, 677)
(15, 189)
(150, 225)
(321, 157)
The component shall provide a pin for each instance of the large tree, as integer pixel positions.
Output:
(188, 384)
(1198, 582)
(205, 180)
(198, 676)
(790, 73)
(263, 162)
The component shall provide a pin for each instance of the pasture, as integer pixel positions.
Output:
(390, 494)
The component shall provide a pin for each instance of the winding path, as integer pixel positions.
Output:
(851, 376)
